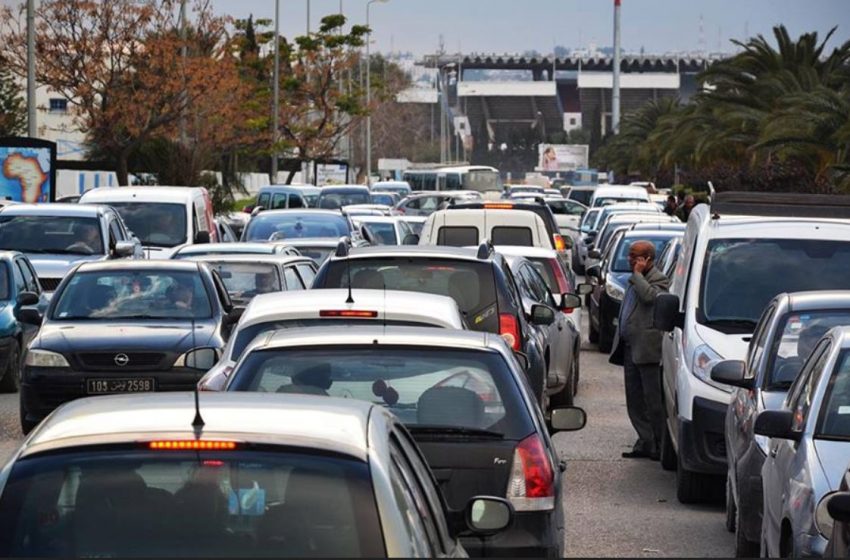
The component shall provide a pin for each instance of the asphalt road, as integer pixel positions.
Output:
(615, 507)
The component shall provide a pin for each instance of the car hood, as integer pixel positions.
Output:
(169, 336)
(834, 457)
(57, 266)
(729, 346)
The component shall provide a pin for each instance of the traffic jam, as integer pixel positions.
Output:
(358, 371)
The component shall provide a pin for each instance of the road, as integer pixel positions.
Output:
(615, 507)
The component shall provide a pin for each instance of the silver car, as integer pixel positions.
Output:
(235, 474)
(808, 452)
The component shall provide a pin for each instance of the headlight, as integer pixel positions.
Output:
(614, 290)
(704, 359)
(43, 358)
(198, 358)
(824, 521)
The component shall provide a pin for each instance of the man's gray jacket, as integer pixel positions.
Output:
(644, 341)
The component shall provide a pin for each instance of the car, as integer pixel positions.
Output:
(252, 475)
(613, 194)
(192, 251)
(480, 281)
(401, 188)
(568, 214)
(581, 194)
(595, 217)
(286, 225)
(511, 190)
(737, 255)
(384, 198)
(838, 508)
(236, 221)
(469, 228)
(625, 219)
(388, 230)
(337, 196)
(463, 397)
(279, 197)
(560, 340)
(669, 257)
(610, 280)
(225, 232)
(331, 307)
(19, 291)
(163, 218)
(247, 276)
(808, 451)
(310, 193)
(56, 237)
(124, 327)
(789, 328)
(426, 203)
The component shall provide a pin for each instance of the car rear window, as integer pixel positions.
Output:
(581, 196)
(421, 385)
(457, 236)
(471, 284)
(515, 236)
(122, 503)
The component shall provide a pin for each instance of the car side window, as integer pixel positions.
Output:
(293, 281)
(29, 282)
(307, 273)
(115, 233)
(513, 287)
(295, 201)
(800, 395)
(412, 203)
(264, 200)
(759, 341)
(539, 291)
(414, 489)
(407, 504)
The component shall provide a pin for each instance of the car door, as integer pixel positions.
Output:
(555, 334)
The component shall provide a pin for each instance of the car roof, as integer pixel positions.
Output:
(377, 219)
(654, 233)
(297, 211)
(143, 194)
(445, 194)
(812, 300)
(392, 305)
(603, 190)
(4, 255)
(343, 188)
(413, 251)
(490, 216)
(289, 189)
(320, 422)
(229, 248)
(653, 226)
(70, 210)
(527, 252)
(139, 265)
(274, 258)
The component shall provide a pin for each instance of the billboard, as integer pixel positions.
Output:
(330, 174)
(562, 157)
(27, 170)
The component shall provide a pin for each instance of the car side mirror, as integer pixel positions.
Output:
(542, 315)
(124, 249)
(411, 239)
(593, 271)
(666, 315)
(594, 254)
(26, 299)
(488, 515)
(584, 289)
(234, 315)
(570, 302)
(777, 424)
(202, 237)
(838, 507)
(567, 419)
(732, 372)
(30, 316)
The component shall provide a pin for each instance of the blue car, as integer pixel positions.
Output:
(19, 289)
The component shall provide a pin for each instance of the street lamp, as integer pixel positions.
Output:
(369, 95)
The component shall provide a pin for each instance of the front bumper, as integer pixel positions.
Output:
(702, 444)
(532, 534)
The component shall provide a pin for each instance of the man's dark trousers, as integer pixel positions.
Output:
(643, 402)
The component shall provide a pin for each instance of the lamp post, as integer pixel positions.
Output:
(276, 91)
(369, 95)
(615, 87)
(32, 129)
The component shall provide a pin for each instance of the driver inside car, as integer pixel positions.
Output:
(315, 380)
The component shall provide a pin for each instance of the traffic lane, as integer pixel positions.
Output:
(619, 507)
(10, 426)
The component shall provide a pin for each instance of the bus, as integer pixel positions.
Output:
(477, 178)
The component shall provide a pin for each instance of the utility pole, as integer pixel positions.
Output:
(32, 128)
(308, 18)
(184, 140)
(276, 92)
(369, 96)
(615, 91)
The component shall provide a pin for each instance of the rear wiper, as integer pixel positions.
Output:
(454, 431)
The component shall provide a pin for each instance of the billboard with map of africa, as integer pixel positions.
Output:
(27, 170)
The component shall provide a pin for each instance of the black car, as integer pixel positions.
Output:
(479, 281)
(124, 327)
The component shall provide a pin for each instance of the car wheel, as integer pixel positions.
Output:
(690, 486)
(11, 380)
(744, 548)
(731, 510)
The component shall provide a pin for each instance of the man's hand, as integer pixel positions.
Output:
(642, 264)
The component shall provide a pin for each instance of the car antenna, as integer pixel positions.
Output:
(348, 272)
(198, 423)
(385, 307)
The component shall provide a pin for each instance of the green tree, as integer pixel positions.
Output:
(13, 113)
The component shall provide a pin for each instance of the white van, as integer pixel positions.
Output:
(163, 218)
(470, 228)
(615, 194)
(737, 255)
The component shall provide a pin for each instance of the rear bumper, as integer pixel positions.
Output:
(702, 444)
(532, 534)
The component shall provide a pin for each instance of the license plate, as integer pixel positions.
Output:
(113, 386)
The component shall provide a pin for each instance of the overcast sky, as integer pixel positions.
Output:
(519, 25)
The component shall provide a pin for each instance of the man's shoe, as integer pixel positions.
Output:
(635, 454)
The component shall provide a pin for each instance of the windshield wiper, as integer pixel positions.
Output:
(732, 323)
(454, 431)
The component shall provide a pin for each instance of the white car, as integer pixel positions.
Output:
(270, 312)
(614, 194)
(470, 228)
(388, 230)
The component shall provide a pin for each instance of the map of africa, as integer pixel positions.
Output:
(23, 176)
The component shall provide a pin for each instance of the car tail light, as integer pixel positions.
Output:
(349, 313)
(509, 329)
(560, 277)
(498, 206)
(532, 483)
(191, 445)
(560, 244)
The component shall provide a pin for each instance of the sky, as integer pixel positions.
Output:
(516, 26)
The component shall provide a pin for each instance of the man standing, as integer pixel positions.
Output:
(684, 211)
(638, 350)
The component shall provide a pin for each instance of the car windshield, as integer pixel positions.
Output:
(333, 200)
(470, 284)
(741, 276)
(797, 335)
(422, 386)
(54, 235)
(293, 225)
(238, 503)
(385, 232)
(384, 198)
(621, 261)
(244, 280)
(137, 294)
(834, 420)
(4, 281)
(156, 224)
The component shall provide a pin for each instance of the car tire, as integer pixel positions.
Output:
(669, 461)
(11, 380)
(690, 486)
(744, 548)
(731, 510)
(26, 425)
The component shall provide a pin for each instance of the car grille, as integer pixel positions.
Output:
(49, 284)
(134, 361)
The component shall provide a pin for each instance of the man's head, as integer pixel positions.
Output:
(671, 199)
(641, 250)
(690, 201)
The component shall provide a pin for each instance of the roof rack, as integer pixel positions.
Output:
(781, 205)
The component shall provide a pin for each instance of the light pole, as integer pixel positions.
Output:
(369, 95)
(276, 91)
(32, 129)
(615, 89)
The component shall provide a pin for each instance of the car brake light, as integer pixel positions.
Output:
(560, 244)
(349, 313)
(509, 329)
(498, 206)
(191, 445)
(532, 483)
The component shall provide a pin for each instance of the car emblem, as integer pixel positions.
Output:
(122, 360)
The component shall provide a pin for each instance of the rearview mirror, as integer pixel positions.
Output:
(542, 315)
(567, 419)
(777, 424)
(30, 316)
(570, 302)
(486, 515)
(27, 298)
(584, 289)
(594, 254)
(593, 271)
(731, 372)
(124, 249)
(666, 315)
(202, 237)
(838, 507)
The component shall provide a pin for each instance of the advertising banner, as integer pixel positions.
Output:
(27, 170)
(562, 157)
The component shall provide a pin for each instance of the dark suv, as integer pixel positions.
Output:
(479, 281)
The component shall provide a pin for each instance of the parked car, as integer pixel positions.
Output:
(470, 228)
(57, 237)
(279, 197)
(335, 197)
(718, 294)
(331, 308)
(124, 327)
(614, 194)
(19, 291)
(192, 251)
(808, 451)
(286, 225)
(462, 395)
(253, 476)
(401, 188)
(426, 203)
(790, 327)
